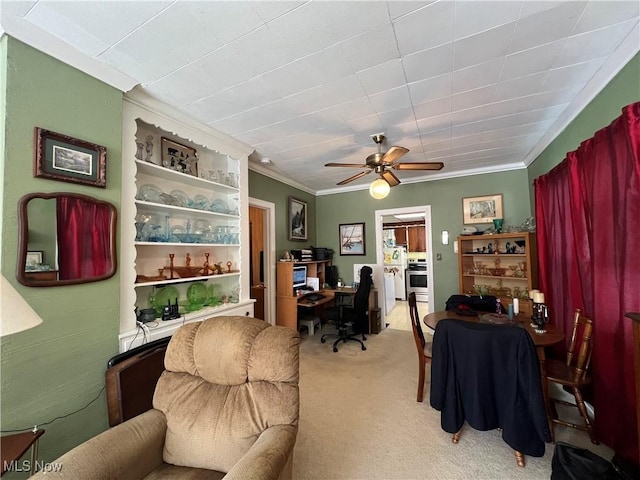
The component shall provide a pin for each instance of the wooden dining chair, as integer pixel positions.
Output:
(422, 345)
(573, 373)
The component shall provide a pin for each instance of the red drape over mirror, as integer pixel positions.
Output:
(588, 232)
(84, 238)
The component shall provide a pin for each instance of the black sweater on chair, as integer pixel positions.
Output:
(489, 376)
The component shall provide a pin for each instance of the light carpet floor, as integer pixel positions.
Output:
(359, 419)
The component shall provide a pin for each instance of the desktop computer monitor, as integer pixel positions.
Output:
(299, 276)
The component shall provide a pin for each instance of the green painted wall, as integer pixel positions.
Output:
(58, 367)
(623, 90)
(444, 196)
(270, 190)
(445, 199)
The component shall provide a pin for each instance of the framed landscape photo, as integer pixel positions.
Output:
(67, 159)
(178, 157)
(482, 209)
(352, 239)
(297, 219)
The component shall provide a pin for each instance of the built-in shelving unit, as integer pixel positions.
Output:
(180, 226)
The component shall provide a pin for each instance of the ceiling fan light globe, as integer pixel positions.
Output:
(379, 189)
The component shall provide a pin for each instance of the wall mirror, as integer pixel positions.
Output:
(65, 239)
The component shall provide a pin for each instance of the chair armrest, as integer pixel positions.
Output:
(267, 458)
(130, 450)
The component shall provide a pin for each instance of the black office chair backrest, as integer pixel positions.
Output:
(361, 297)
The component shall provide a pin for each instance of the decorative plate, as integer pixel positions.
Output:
(200, 202)
(181, 198)
(150, 193)
(219, 206)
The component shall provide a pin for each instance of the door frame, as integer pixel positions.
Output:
(428, 232)
(269, 218)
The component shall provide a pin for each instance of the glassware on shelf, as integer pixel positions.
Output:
(200, 202)
(197, 296)
(150, 193)
(141, 223)
(155, 229)
(181, 199)
(219, 206)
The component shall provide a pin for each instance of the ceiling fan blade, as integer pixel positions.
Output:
(355, 177)
(418, 166)
(393, 154)
(391, 179)
(350, 165)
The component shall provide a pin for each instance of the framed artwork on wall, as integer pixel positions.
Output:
(180, 158)
(484, 209)
(352, 240)
(297, 219)
(67, 159)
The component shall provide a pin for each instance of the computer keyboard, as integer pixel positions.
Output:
(313, 297)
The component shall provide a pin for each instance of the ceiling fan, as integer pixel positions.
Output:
(383, 163)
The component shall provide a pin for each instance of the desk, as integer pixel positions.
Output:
(540, 340)
(328, 301)
(15, 446)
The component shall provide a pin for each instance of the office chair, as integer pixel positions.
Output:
(573, 372)
(350, 312)
(423, 346)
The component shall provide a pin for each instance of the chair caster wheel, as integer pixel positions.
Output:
(323, 340)
(335, 349)
(363, 347)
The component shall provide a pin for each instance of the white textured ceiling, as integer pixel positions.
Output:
(478, 85)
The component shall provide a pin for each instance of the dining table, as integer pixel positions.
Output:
(551, 336)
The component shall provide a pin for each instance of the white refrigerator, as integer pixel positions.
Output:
(395, 261)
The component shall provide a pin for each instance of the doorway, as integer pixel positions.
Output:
(262, 241)
(424, 210)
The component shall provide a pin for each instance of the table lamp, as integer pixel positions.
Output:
(16, 314)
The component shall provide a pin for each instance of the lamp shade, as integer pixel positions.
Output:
(16, 314)
(379, 189)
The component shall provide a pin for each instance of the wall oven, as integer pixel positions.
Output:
(416, 281)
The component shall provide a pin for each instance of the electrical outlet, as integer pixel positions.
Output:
(455, 247)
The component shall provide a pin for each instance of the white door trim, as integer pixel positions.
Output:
(428, 242)
(269, 209)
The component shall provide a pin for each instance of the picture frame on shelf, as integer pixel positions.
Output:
(68, 159)
(34, 258)
(352, 239)
(484, 209)
(178, 157)
(297, 219)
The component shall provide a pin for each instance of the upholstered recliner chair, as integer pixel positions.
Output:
(226, 406)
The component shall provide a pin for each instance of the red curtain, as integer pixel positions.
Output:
(84, 238)
(588, 232)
